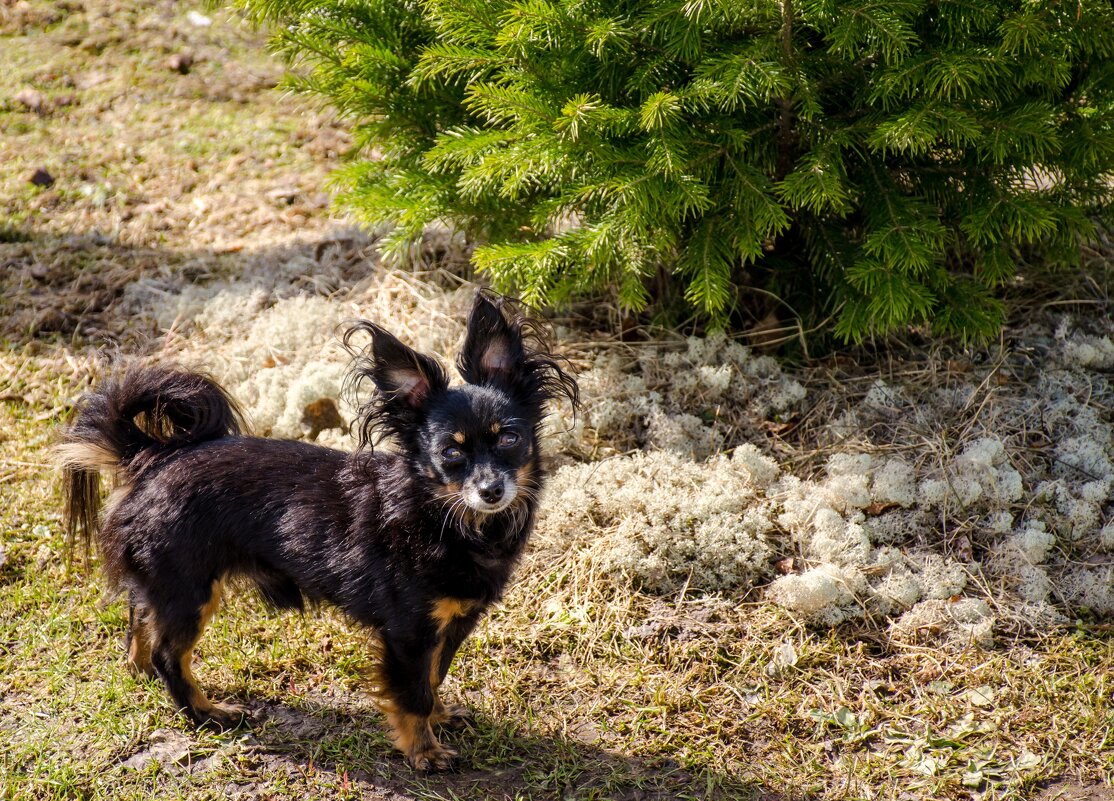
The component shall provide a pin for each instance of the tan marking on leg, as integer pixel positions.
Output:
(452, 716)
(226, 715)
(211, 606)
(445, 610)
(459, 437)
(198, 700)
(140, 639)
(414, 737)
(435, 668)
(439, 714)
(413, 734)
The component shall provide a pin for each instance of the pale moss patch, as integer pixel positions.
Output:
(662, 520)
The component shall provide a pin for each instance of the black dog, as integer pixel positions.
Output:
(414, 544)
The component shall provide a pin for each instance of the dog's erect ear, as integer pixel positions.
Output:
(493, 348)
(403, 376)
(507, 349)
(405, 379)
(402, 373)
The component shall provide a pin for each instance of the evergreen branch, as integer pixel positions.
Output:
(885, 158)
(448, 61)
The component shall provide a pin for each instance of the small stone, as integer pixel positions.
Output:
(198, 20)
(284, 194)
(180, 63)
(166, 747)
(32, 100)
(320, 415)
(41, 177)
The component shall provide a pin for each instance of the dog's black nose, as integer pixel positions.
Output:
(493, 492)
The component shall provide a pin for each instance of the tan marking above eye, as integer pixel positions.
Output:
(495, 427)
(459, 437)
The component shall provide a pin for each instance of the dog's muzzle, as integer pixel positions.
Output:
(490, 495)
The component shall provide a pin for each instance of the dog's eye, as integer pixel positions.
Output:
(451, 454)
(507, 439)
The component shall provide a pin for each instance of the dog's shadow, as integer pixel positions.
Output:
(496, 761)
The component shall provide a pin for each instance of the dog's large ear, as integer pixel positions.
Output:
(402, 373)
(505, 348)
(493, 349)
(405, 379)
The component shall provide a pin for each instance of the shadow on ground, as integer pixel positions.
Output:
(496, 761)
(91, 290)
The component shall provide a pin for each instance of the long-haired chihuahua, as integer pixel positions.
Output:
(414, 543)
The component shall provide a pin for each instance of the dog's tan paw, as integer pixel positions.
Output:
(225, 716)
(433, 759)
(142, 670)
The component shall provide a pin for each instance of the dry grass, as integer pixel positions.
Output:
(171, 189)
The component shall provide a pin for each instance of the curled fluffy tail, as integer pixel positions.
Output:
(129, 422)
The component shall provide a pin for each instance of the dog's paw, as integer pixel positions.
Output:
(142, 670)
(225, 717)
(455, 717)
(432, 759)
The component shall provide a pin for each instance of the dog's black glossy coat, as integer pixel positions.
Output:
(401, 541)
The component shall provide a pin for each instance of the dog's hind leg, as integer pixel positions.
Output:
(139, 639)
(178, 630)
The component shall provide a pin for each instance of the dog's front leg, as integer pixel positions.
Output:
(453, 634)
(409, 700)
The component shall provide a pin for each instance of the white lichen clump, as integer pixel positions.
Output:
(684, 401)
(660, 519)
(821, 592)
(285, 358)
(1085, 351)
(980, 472)
(277, 350)
(961, 620)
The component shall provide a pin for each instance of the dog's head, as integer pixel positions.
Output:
(477, 442)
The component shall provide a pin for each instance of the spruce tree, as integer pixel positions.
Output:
(883, 162)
